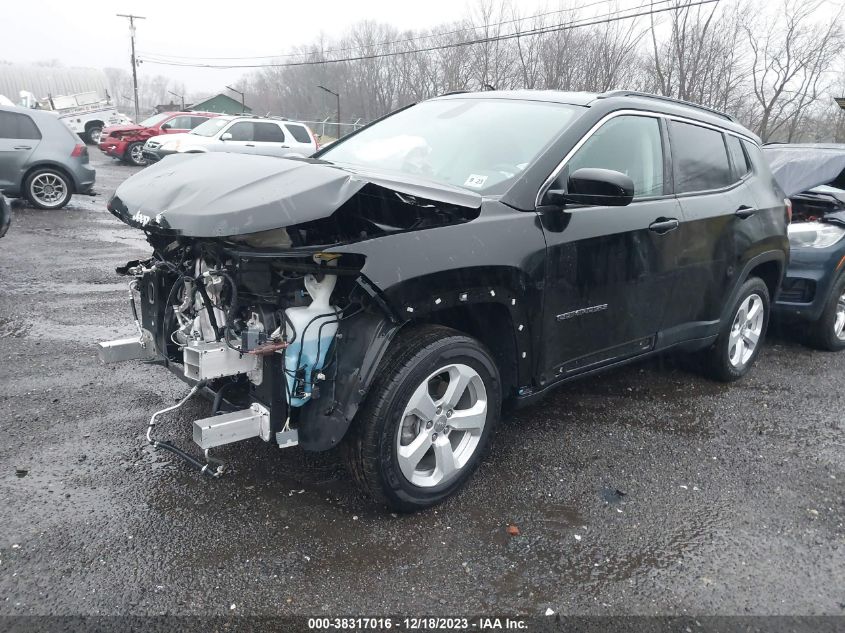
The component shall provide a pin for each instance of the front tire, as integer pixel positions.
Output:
(427, 421)
(741, 335)
(93, 134)
(828, 333)
(135, 154)
(48, 188)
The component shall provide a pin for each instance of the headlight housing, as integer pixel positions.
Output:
(814, 234)
(171, 146)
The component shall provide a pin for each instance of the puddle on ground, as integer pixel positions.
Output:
(612, 495)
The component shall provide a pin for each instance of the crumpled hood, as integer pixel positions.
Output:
(220, 194)
(122, 128)
(798, 168)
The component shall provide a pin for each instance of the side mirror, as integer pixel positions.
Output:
(166, 126)
(595, 187)
(226, 136)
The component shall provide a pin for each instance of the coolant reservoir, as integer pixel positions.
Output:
(315, 327)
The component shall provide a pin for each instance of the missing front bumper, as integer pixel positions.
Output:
(135, 348)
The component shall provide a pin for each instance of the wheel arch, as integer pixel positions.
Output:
(769, 266)
(48, 165)
(94, 123)
(495, 316)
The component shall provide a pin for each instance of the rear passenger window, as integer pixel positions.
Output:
(738, 158)
(752, 150)
(15, 125)
(299, 133)
(628, 144)
(699, 157)
(269, 133)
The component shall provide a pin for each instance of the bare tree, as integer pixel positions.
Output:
(791, 53)
(773, 74)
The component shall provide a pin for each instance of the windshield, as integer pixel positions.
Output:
(477, 144)
(210, 127)
(156, 118)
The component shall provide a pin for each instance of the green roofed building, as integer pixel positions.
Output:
(224, 104)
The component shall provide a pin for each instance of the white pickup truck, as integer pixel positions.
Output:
(86, 113)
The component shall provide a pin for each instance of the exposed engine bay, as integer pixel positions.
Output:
(282, 333)
(259, 333)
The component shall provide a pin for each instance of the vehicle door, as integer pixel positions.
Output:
(239, 137)
(270, 139)
(610, 270)
(716, 201)
(19, 137)
(300, 139)
(177, 125)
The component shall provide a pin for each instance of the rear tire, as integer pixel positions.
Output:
(427, 421)
(5, 215)
(741, 335)
(828, 333)
(48, 188)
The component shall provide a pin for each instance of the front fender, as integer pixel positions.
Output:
(359, 346)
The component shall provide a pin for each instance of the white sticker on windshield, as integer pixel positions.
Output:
(475, 180)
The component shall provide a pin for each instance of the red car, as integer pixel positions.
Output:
(125, 142)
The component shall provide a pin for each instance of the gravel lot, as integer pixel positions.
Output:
(733, 495)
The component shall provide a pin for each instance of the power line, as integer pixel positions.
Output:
(615, 17)
(400, 41)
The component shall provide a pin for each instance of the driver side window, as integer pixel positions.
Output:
(629, 144)
(242, 131)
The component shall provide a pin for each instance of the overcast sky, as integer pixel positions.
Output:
(87, 32)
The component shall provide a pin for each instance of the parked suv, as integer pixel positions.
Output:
(813, 292)
(465, 253)
(237, 134)
(126, 142)
(41, 159)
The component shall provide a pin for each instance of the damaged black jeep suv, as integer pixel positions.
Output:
(393, 292)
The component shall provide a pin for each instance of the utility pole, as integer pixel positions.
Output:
(132, 19)
(337, 96)
(243, 102)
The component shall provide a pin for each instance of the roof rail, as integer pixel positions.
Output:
(648, 95)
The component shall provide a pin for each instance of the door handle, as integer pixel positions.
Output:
(23, 147)
(286, 146)
(664, 225)
(250, 144)
(745, 212)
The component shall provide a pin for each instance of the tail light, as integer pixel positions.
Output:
(788, 204)
(79, 150)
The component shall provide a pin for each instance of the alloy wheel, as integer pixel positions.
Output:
(48, 189)
(746, 330)
(136, 154)
(839, 319)
(442, 425)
